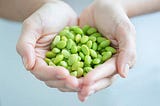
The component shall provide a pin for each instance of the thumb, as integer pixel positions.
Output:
(26, 44)
(127, 48)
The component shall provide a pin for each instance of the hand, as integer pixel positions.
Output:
(37, 34)
(111, 20)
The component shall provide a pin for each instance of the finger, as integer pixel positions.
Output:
(26, 44)
(97, 86)
(55, 84)
(127, 47)
(66, 90)
(105, 70)
(45, 73)
(85, 15)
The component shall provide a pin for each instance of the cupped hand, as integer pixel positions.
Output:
(110, 18)
(37, 34)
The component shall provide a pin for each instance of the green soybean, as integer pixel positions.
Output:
(74, 49)
(51, 64)
(96, 61)
(92, 38)
(111, 49)
(85, 29)
(72, 59)
(79, 72)
(84, 39)
(58, 59)
(104, 43)
(50, 54)
(74, 73)
(89, 44)
(70, 43)
(100, 39)
(65, 53)
(81, 55)
(87, 60)
(91, 31)
(87, 69)
(61, 44)
(76, 29)
(79, 50)
(94, 46)
(96, 34)
(85, 50)
(55, 41)
(47, 60)
(78, 38)
(63, 63)
(56, 50)
(93, 53)
(106, 56)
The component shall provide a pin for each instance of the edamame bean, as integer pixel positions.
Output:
(50, 54)
(96, 61)
(96, 34)
(77, 52)
(92, 38)
(91, 31)
(77, 65)
(56, 50)
(100, 39)
(61, 44)
(85, 29)
(55, 41)
(63, 63)
(85, 50)
(93, 53)
(87, 60)
(58, 58)
(78, 38)
(106, 56)
(81, 55)
(79, 72)
(74, 49)
(94, 46)
(104, 43)
(65, 53)
(51, 64)
(84, 39)
(72, 59)
(70, 43)
(87, 69)
(74, 73)
(111, 49)
(89, 44)
(47, 60)
(76, 29)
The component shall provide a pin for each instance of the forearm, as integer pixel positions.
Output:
(20, 9)
(139, 7)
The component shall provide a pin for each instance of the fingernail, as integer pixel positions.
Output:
(91, 92)
(126, 70)
(25, 62)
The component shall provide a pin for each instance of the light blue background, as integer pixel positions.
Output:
(142, 87)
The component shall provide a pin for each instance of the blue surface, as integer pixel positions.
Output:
(142, 87)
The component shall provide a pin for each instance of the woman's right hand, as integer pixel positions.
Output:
(37, 33)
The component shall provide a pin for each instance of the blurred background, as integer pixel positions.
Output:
(142, 87)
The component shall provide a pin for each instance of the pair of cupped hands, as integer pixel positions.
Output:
(38, 31)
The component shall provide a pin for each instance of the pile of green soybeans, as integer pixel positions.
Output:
(79, 50)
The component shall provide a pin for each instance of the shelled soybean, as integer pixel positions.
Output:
(79, 50)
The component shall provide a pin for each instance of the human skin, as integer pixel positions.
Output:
(111, 19)
(40, 28)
